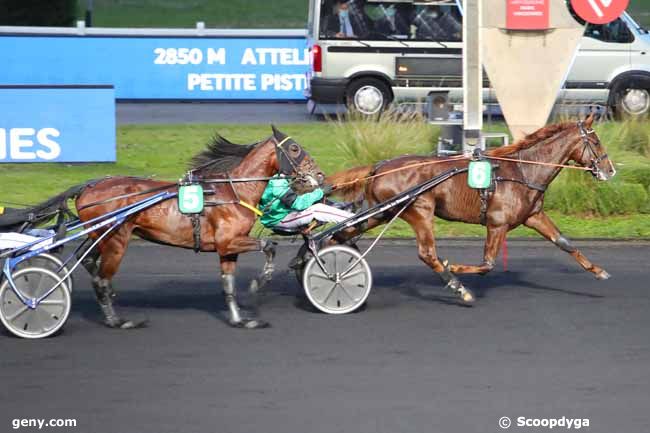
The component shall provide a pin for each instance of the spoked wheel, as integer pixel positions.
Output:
(303, 257)
(51, 262)
(340, 292)
(47, 317)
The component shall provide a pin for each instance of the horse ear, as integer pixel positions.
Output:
(590, 120)
(276, 133)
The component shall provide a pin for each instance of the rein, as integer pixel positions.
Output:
(584, 134)
(176, 185)
(419, 164)
(190, 177)
(547, 164)
(459, 158)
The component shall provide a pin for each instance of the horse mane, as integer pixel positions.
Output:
(220, 155)
(531, 139)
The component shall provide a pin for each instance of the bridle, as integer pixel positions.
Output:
(590, 145)
(288, 165)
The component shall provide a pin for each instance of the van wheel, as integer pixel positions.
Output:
(368, 96)
(631, 103)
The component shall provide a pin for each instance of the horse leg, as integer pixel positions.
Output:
(111, 252)
(495, 237)
(422, 224)
(545, 226)
(268, 248)
(228, 252)
(90, 262)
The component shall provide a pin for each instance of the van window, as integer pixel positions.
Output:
(614, 32)
(358, 19)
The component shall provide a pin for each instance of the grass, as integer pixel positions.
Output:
(286, 14)
(386, 136)
(640, 10)
(163, 151)
(628, 145)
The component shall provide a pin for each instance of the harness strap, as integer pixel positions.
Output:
(132, 194)
(196, 231)
(535, 186)
(484, 194)
(283, 141)
(250, 207)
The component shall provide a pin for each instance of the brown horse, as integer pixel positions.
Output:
(223, 229)
(517, 198)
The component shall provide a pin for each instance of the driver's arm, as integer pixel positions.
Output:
(299, 202)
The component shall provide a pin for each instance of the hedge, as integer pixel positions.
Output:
(49, 13)
(638, 174)
(604, 199)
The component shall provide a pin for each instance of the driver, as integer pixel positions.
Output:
(286, 208)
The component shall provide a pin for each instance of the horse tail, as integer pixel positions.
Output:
(58, 202)
(349, 184)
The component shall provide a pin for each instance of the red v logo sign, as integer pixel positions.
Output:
(598, 5)
(599, 11)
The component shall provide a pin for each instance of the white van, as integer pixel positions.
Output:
(369, 53)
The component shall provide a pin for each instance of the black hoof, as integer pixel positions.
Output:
(296, 263)
(250, 324)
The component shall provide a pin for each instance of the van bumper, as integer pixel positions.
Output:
(328, 91)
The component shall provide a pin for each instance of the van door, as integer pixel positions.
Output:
(604, 52)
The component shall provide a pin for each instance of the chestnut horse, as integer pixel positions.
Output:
(223, 229)
(517, 198)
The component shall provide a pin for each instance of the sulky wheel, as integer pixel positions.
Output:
(44, 319)
(303, 257)
(51, 262)
(341, 292)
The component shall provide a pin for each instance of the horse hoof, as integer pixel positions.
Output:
(128, 324)
(125, 324)
(603, 275)
(466, 295)
(250, 324)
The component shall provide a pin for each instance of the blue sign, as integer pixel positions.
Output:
(57, 124)
(162, 68)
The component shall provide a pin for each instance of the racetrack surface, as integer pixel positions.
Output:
(210, 112)
(544, 340)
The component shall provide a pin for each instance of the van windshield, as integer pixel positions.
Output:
(360, 19)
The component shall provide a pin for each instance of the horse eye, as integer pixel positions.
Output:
(294, 148)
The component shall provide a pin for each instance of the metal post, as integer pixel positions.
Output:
(472, 75)
(89, 13)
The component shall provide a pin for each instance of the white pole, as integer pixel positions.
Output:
(472, 75)
(89, 13)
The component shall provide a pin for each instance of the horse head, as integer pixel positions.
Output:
(591, 153)
(293, 160)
